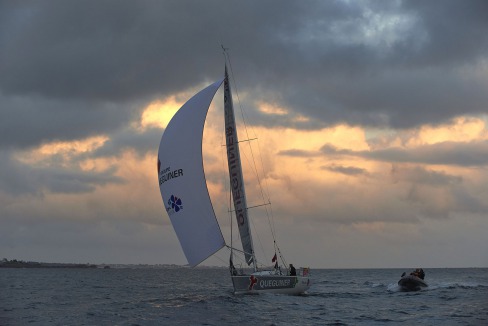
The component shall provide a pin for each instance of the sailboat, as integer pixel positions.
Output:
(187, 201)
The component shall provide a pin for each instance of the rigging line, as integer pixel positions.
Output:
(241, 259)
(221, 259)
(241, 141)
(281, 256)
(236, 260)
(241, 251)
(254, 165)
(255, 206)
(267, 195)
(258, 236)
(227, 57)
(230, 217)
(237, 95)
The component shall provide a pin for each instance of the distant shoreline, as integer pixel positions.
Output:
(29, 264)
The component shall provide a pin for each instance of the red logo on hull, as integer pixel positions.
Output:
(253, 280)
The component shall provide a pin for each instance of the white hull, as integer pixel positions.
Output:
(270, 283)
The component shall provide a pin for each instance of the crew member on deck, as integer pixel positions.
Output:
(293, 271)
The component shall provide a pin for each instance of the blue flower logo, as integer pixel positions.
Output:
(175, 203)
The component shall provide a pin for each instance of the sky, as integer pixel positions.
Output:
(372, 120)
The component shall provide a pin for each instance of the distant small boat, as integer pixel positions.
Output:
(411, 282)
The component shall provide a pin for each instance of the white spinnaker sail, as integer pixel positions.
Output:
(182, 179)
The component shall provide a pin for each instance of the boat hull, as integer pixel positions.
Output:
(411, 283)
(282, 284)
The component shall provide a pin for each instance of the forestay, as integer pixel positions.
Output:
(182, 180)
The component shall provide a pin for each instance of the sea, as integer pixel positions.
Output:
(203, 296)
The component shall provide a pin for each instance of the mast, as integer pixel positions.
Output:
(236, 176)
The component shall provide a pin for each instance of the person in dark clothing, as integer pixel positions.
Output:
(293, 271)
(421, 273)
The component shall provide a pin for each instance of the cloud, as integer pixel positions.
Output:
(129, 139)
(421, 175)
(298, 153)
(370, 118)
(468, 154)
(27, 121)
(347, 170)
(328, 62)
(19, 178)
(401, 176)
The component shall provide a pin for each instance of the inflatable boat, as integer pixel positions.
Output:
(411, 283)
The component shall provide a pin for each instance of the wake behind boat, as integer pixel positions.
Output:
(185, 194)
(413, 281)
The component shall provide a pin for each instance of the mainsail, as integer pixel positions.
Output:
(182, 180)
(235, 173)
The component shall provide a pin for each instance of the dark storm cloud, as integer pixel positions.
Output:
(141, 143)
(413, 68)
(109, 50)
(378, 63)
(69, 69)
(28, 121)
(71, 182)
(473, 153)
(18, 179)
(455, 31)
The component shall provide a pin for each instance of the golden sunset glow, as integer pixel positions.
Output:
(98, 164)
(365, 125)
(268, 108)
(159, 113)
(65, 149)
(461, 129)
